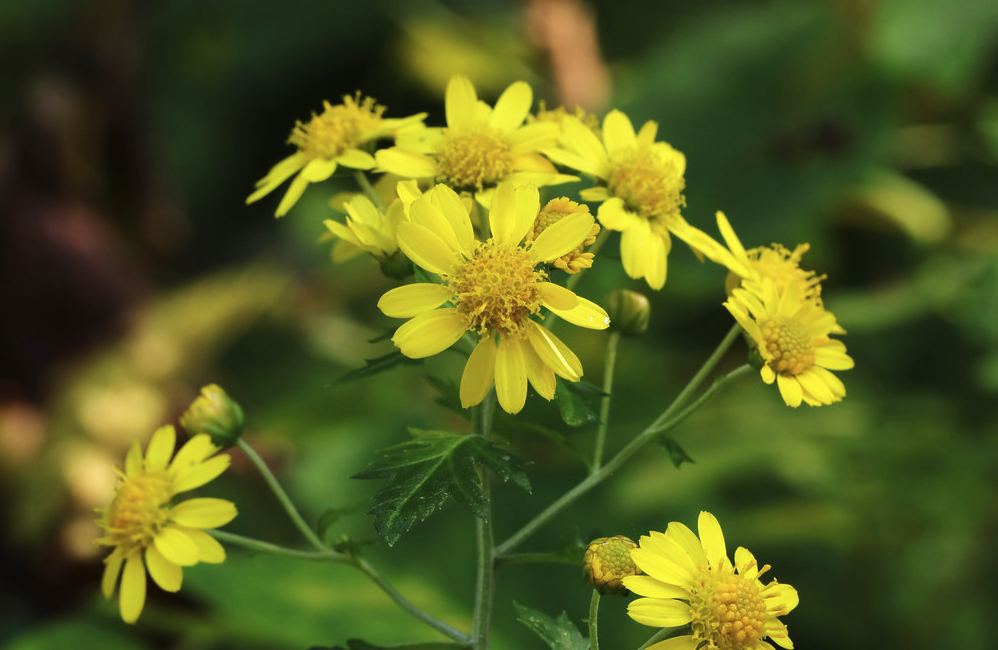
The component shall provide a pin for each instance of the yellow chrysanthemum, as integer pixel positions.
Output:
(640, 189)
(332, 138)
(367, 229)
(691, 581)
(148, 530)
(480, 147)
(491, 288)
(791, 335)
(555, 210)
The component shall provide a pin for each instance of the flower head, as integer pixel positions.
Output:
(215, 413)
(493, 289)
(480, 147)
(790, 333)
(335, 137)
(691, 581)
(640, 188)
(607, 561)
(149, 530)
(555, 210)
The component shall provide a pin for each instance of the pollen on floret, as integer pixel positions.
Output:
(338, 128)
(137, 512)
(556, 210)
(650, 186)
(471, 159)
(496, 289)
(789, 344)
(782, 266)
(728, 611)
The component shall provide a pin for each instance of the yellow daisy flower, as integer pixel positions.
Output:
(555, 210)
(480, 147)
(691, 581)
(640, 188)
(333, 138)
(791, 335)
(149, 530)
(368, 229)
(491, 288)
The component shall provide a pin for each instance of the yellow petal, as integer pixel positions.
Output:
(654, 588)
(586, 314)
(730, 238)
(614, 214)
(176, 546)
(202, 473)
(203, 512)
(424, 213)
(133, 589)
(453, 208)
(318, 170)
(689, 542)
(406, 163)
(814, 386)
(648, 132)
(659, 613)
(460, 101)
(279, 173)
(356, 159)
(429, 333)
(712, 539)
(633, 243)
(555, 296)
(746, 563)
(555, 354)
(511, 375)
(512, 213)
(539, 375)
(291, 195)
(194, 452)
(164, 573)
(833, 357)
(618, 132)
(133, 460)
(109, 579)
(512, 107)
(685, 642)
(413, 299)
(209, 550)
(532, 137)
(426, 248)
(662, 568)
(160, 449)
(479, 373)
(790, 389)
(562, 237)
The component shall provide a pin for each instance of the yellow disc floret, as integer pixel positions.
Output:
(338, 128)
(729, 611)
(556, 210)
(137, 512)
(473, 159)
(650, 186)
(790, 345)
(496, 289)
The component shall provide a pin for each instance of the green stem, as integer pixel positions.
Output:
(609, 366)
(593, 618)
(535, 558)
(282, 496)
(353, 560)
(485, 569)
(367, 188)
(662, 423)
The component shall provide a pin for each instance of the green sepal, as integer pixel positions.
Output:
(424, 472)
(560, 633)
(676, 453)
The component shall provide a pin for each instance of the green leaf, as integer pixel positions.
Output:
(577, 402)
(332, 515)
(559, 634)
(377, 366)
(676, 453)
(424, 472)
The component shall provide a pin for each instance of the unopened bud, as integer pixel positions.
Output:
(395, 266)
(607, 562)
(216, 414)
(629, 312)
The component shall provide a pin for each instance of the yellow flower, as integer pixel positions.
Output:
(148, 530)
(333, 138)
(640, 189)
(492, 288)
(691, 581)
(791, 335)
(368, 229)
(480, 147)
(555, 210)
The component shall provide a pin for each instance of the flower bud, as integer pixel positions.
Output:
(395, 266)
(629, 312)
(607, 562)
(214, 413)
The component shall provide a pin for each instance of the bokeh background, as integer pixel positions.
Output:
(132, 273)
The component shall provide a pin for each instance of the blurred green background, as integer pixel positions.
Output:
(132, 273)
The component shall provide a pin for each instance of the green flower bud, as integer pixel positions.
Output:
(607, 562)
(214, 413)
(629, 312)
(395, 266)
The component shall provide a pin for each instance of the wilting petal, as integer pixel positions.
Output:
(479, 372)
(430, 333)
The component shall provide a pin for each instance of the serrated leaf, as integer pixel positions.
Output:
(676, 453)
(424, 472)
(577, 402)
(560, 633)
(377, 366)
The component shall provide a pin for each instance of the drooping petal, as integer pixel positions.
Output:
(512, 107)
(511, 375)
(479, 373)
(317, 170)
(112, 569)
(160, 449)
(430, 333)
(291, 195)
(176, 546)
(413, 299)
(555, 354)
(659, 613)
(133, 589)
(203, 512)
(633, 248)
(164, 573)
(426, 248)
(279, 173)
(540, 376)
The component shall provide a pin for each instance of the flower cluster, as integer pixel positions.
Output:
(462, 203)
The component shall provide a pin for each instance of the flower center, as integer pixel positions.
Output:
(338, 128)
(552, 213)
(790, 345)
(473, 159)
(496, 290)
(138, 511)
(649, 185)
(728, 611)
